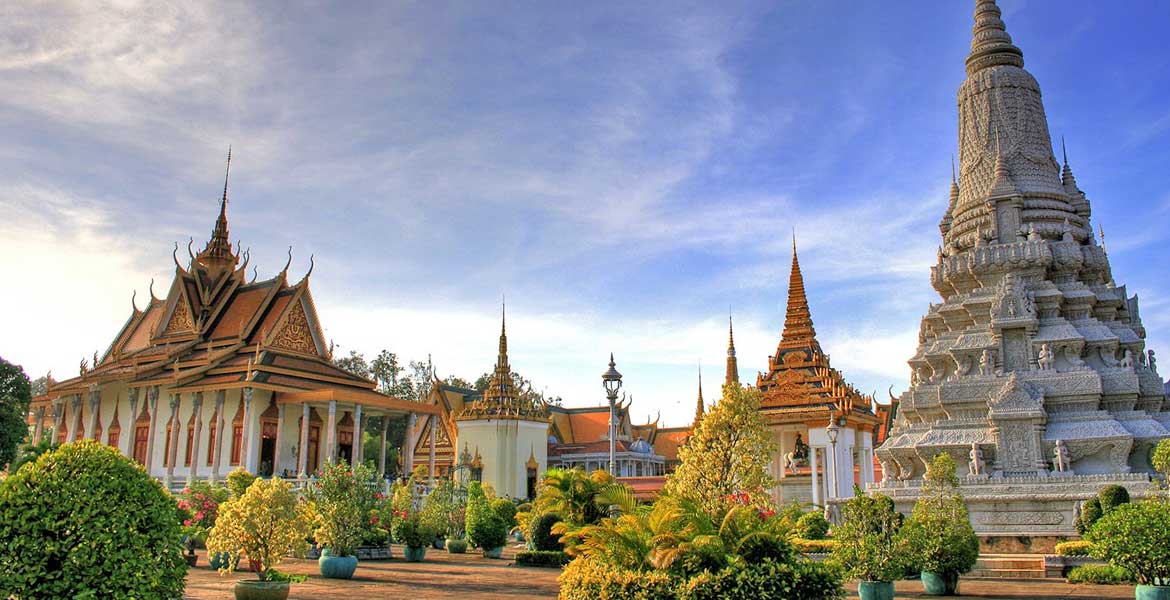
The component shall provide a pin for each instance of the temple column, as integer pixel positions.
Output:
(331, 433)
(408, 446)
(173, 449)
(217, 449)
(276, 451)
(356, 457)
(152, 406)
(39, 430)
(128, 440)
(74, 418)
(783, 453)
(431, 458)
(58, 418)
(816, 488)
(303, 453)
(246, 451)
(382, 446)
(197, 410)
(95, 402)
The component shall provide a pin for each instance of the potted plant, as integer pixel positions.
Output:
(1136, 537)
(200, 505)
(266, 524)
(436, 511)
(485, 528)
(413, 530)
(343, 498)
(869, 545)
(942, 543)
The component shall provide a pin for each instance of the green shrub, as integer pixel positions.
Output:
(585, 579)
(1100, 574)
(811, 526)
(1074, 548)
(485, 529)
(870, 546)
(1161, 457)
(542, 537)
(762, 545)
(1112, 496)
(767, 580)
(1135, 537)
(85, 522)
(456, 546)
(1090, 512)
(813, 546)
(506, 510)
(538, 558)
(239, 480)
(344, 499)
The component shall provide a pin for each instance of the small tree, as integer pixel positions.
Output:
(485, 529)
(728, 455)
(1135, 537)
(266, 524)
(239, 480)
(870, 546)
(15, 394)
(939, 531)
(345, 499)
(1110, 497)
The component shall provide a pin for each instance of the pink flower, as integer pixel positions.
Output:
(199, 516)
(187, 523)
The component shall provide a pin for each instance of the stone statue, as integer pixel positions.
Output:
(1062, 461)
(1153, 361)
(886, 474)
(1047, 359)
(986, 363)
(977, 466)
(1127, 359)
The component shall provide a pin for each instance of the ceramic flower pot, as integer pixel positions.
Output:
(261, 590)
(1152, 592)
(876, 590)
(455, 546)
(221, 560)
(940, 584)
(439, 544)
(414, 554)
(336, 567)
(494, 552)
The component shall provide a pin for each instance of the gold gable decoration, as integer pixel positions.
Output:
(296, 334)
(180, 319)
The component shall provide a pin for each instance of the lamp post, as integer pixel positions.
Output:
(832, 431)
(612, 380)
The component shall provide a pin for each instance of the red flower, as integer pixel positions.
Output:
(187, 523)
(379, 496)
(374, 520)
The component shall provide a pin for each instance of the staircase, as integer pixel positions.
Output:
(1009, 566)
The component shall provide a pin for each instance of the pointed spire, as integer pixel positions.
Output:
(944, 225)
(502, 359)
(219, 248)
(700, 406)
(798, 323)
(1101, 232)
(990, 43)
(732, 375)
(1066, 176)
(1004, 186)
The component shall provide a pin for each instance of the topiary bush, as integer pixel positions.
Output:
(1135, 537)
(239, 480)
(813, 546)
(538, 558)
(83, 521)
(585, 579)
(1074, 548)
(811, 526)
(770, 580)
(1112, 496)
(1100, 574)
(506, 510)
(541, 535)
(1090, 512)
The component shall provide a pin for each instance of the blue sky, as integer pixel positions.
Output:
(623, 174)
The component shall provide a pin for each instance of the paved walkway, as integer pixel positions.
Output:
(470, 577)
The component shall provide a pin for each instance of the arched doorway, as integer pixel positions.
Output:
(268, 424)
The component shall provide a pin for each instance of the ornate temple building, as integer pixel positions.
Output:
(1032, 372)
(802, 394)
(508, 437)
(224, 371)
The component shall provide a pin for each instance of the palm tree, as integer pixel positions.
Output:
(582, 499)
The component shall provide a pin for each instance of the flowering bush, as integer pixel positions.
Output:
(200, 505)
(412, 528)
(344, 498)
(239, 480)
(266, 524)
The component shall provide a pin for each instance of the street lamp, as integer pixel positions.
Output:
(832, 431)
(612, 380)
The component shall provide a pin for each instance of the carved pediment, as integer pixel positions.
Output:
(1017, 398)
(296, 332)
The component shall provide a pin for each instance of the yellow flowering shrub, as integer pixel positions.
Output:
(266, 524)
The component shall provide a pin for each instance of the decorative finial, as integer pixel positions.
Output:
(175, 256)
(255, 274)
(1101, 232)
(990, 44)
(1064, 150)
(190, 244)
(226, 173)
(152, 298)
(289, 263)
(311, 265)
(134, 301)
(954, 180)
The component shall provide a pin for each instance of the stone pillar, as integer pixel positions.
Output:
(58, 418)
(173, 450)
(74, 418)
(197, 410)
(331, 434)
(217, 450)
(39, 430)
(408, 446)
(127, 439)
(95, 403)
(816, 488)
(833, 475)
(783, 453)
(303, 454)
(152, 406)
(277, 454)
(382, 446)
(356, 457)
(431, 458)
(246, 445)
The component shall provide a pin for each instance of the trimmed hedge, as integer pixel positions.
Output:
(813, 546)
(1112, 496)
(84, 521)
(767, 580)
(538, 558)
(542, 537)
(811, 526)
(1100, 574)
(506, 510)
(1074, 548)
(584, 579)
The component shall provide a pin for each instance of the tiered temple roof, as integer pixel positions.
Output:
(800, 380)
(502, 399)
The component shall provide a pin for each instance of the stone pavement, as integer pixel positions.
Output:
(470, 576)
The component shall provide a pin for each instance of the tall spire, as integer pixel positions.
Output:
(732, 375)
(990, 43)
(219, 248)
(798, 325)
(699, 408)
(1066, 177)
(502, 359)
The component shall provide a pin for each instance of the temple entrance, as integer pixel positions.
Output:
(345, 439)
(269, 420)
(531, 483)
(267, 455)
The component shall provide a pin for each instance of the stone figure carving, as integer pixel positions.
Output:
(829, 513)
(977, 466)
(1047, 359)
(1127, 359)
(1077, 508)
(799, 455)
(1153, 361)
(986, 363)
(1062, 461)
(886, 474)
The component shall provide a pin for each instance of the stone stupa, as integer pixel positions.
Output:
(1032, 372)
